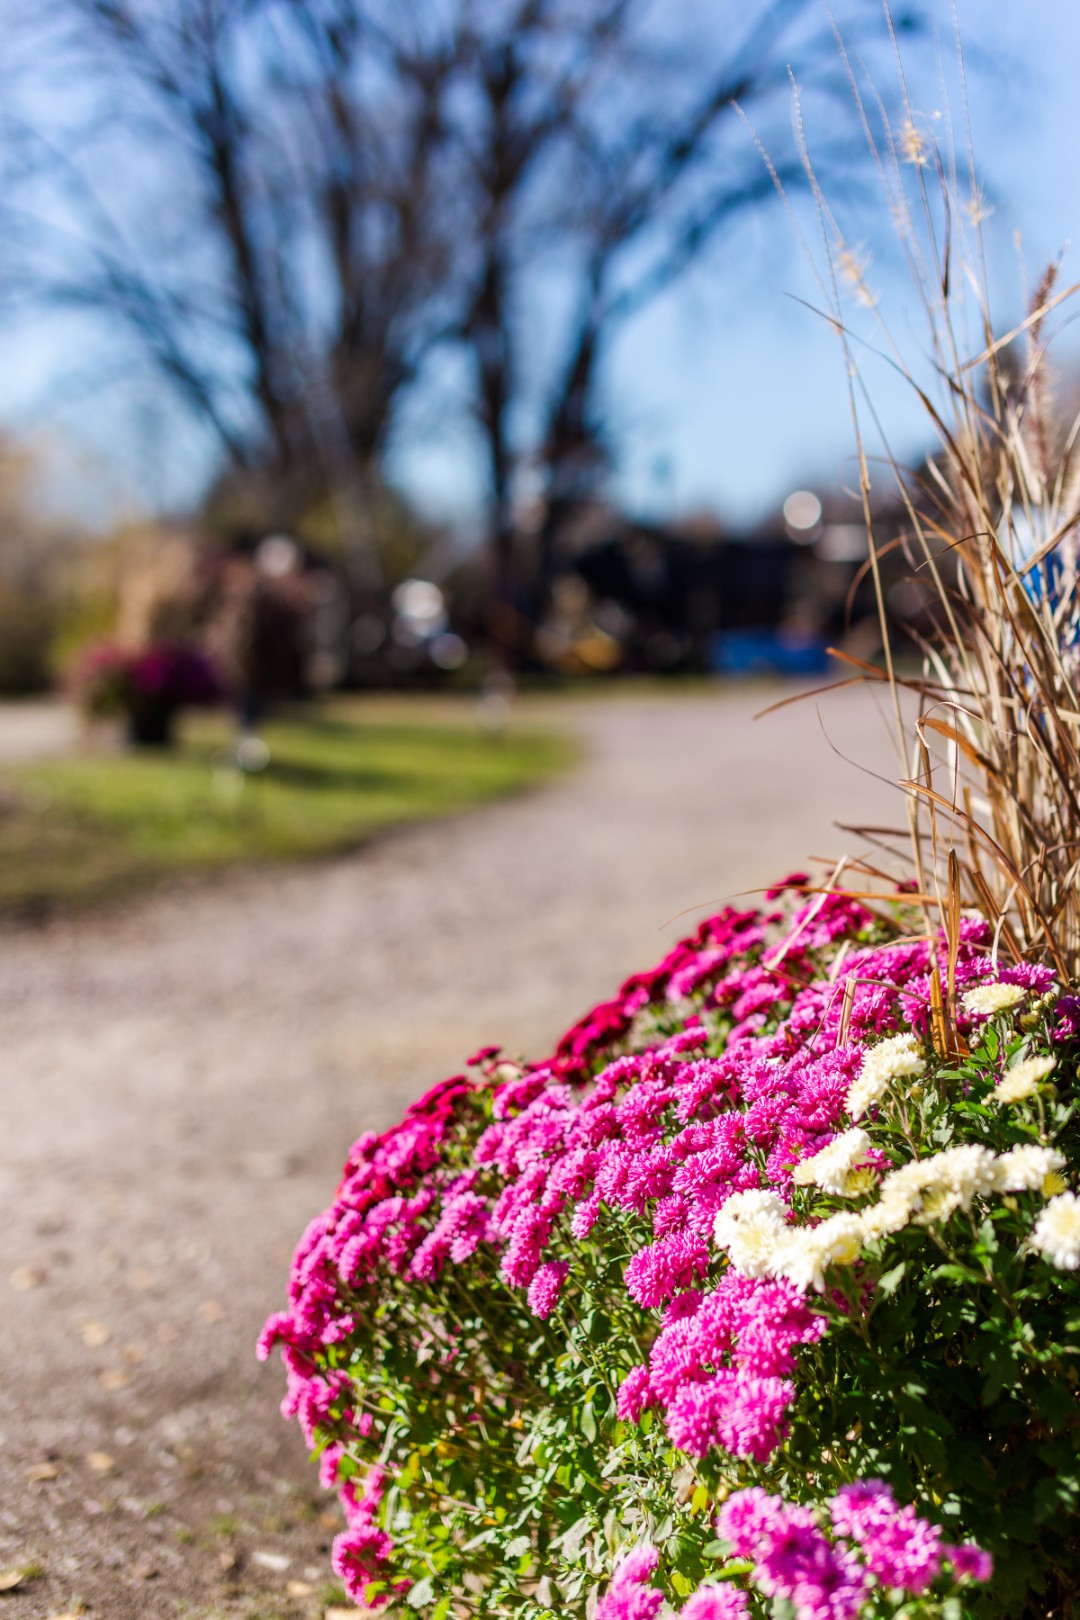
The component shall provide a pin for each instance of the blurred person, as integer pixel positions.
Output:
(259, 626)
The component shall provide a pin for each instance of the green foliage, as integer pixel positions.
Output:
(84, 829)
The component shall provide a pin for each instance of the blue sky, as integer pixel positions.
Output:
(727, 392)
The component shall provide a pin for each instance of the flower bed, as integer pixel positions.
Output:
(760, 1296)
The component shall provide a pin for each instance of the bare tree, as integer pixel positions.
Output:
(253, 192)
(291, 206)
(611, 153)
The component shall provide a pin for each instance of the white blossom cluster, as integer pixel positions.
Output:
(1022, 1080)
(897, 1058)
(752, 1227)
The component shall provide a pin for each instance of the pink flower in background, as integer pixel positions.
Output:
(634, 1395)
(629, 1597)
(901, 1549)
(827, 1579)
(970, 1561)
(716, 1603)
(545, 1287)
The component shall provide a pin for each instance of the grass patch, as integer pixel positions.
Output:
(86, 829)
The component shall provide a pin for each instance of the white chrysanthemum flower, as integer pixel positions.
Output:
(1021, 1080)
(931, 1189)
(897, 1058)
(859, 1181)
(888, 1215)
(1057, 1232)
(829, 1168)
(901, 1195)
(987, 1000)
(804, 1254)
(754, 1243)
(959, 1173)
(909, 1179)
(1025, 1168)
(741, 1206)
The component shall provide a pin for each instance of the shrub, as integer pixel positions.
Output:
(748, 1293)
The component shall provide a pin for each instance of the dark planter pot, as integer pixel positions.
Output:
(152, 724)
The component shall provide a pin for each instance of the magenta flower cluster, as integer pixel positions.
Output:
(824, 1574)
(361, 1551)
(631, 1597)
(829, 1576)
(640, 1128)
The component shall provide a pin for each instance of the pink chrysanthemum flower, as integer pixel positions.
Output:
(629, 1597)
(716, 1603)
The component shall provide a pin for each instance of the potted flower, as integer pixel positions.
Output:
(147, 687)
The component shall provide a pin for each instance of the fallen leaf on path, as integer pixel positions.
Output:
(41, 1471)
(298, 1589)
(114, 1378)
(211, 1311)
(95, 1334)
(23, 1278)
(101, 1462)
(18, 1576)
(275, 1561)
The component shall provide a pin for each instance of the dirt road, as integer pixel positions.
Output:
(183, 1079)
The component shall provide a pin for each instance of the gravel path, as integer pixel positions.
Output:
(37, 728)
(183, 1079)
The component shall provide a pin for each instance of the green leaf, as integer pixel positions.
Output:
(890, 1281)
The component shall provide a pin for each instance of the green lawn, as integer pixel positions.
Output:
(85, 829)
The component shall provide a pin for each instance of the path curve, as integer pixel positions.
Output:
(184, 1077)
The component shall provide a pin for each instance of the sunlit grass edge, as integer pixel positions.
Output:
(88, 829)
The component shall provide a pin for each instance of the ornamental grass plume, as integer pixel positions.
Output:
(758, 1298)
(990, 755)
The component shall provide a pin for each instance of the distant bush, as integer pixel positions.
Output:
(29, 618)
